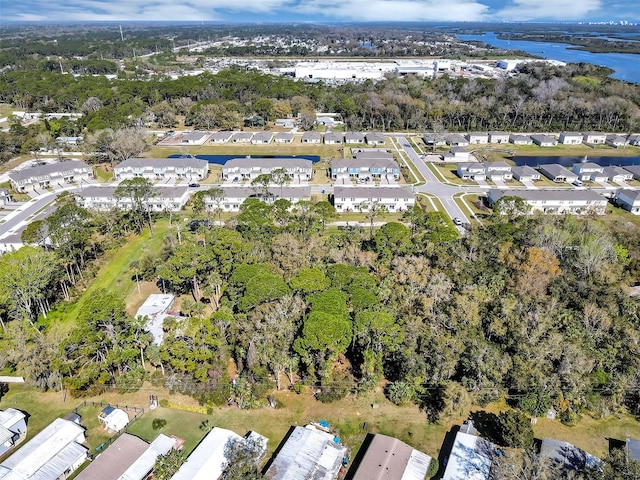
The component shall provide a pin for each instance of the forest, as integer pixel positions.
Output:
(532, 309)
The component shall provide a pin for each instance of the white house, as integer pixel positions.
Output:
(356, 199)
(113, 419)
(53, 454)
(476, 138)
(284, 137)
(471, 171)
(595, 138)
(634, 139)
(155, 309)
(332, 138)
(557, 173)
(434, 139)
(242, 137)
(570, 138)
(163, 199)
(365, 164)
(43, 176)
(188, 168)
(375, 138)
(285, 122)
(249, 168)
(12, 428)
(556, 201)
(520, 139)
(629, 200)
(70, 140)
(589, 171)
(634, 170)
(498, 171)
(194, 138)
(470, 458)
(544, 140)
(234, 197)
(221, 137)
(525, 173)
(311, 137)
(498, 137)
(616, 141)
(262, 138)
(458, 154)
(457, 140)
(617, 174)
(351, 138)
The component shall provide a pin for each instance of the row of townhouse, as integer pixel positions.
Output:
(329, 138)
(188, 168)
(360, 199)
(500, 170)
(162, 199)
(234, 197)
(565, 138)
(249, 168)
(367, 164)
(45, 175)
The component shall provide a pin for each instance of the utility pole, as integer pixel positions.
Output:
(121, 34)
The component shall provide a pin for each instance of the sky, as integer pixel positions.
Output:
(319, 10)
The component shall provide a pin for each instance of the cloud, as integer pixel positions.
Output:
(525, 10)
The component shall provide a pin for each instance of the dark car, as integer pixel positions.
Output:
(194, 185)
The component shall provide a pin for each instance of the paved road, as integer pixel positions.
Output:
(433, 186)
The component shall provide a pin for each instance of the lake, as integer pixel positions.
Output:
(569, 161)
(626, 65)
(222, 159)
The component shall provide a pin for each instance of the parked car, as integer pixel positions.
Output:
(577, 183)
(194, 185)
(457, 221)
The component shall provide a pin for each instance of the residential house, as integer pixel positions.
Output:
(188, 168)
(594, 138)
(471, 457)
(616, 141)
(307, 452)
(5, 196)
(633, 449)
(617, 174)
(113, 419)
(311, 137)
(13, 427)
(375, 138)
(457, 140)
(221, 137)
(520, 139)
(471, 171)
(634, 170)
(589, 171)
(457, 154)
(476, 138)
(285, 122)
(162, 199)
(73, 141)
(284, 137)
(364, 165)
(155, 309)
(234, 197)
(194, 138)
(544, 140)
(262, 138)
(525, 173)
(128, 458)
(634, 139)
(356, 199)
(557, 173)
(434, 139)
(498, 171)
(352, 138)
(53, 454)
(332, 138)
(384, 458)
(242, 137)
(567, 456)
(570, 138)
(43, 176)
(249, 168)
(498, 137)
(556, 201)
(629, 200)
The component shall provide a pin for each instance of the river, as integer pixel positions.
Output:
(626, 65)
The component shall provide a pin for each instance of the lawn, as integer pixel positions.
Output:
(447, 172)
(467, 202)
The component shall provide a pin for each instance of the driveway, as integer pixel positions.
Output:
(499, 183)
(529, 184)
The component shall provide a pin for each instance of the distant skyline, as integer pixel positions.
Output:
(319, 10)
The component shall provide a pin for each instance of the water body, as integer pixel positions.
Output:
(569, 161)
(626, 65)
(222, 159)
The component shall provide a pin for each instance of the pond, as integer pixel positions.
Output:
(222, 159)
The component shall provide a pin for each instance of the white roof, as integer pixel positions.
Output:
(144, 464)
(47, 455)
(207, 461)
(470, 458)
(116, 420)
(10, 416)
(155, 303)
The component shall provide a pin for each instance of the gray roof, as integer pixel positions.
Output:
(195, 136)
(633, 195)
(458, 150)
(285, 136)
(375, 137)
(555, 170)
(249, 192)
(333, 137)
(98, 191)
(571, 134)
(589, 165)
(456, 138)
(566, 455)
(599, 134)
(525, 170)
(496, 133)
(311, 136)
(543, 138)
(354, 137)
(633, 449)
(276, 162)
(433, 138)
(470, 166)
(373, 154)
(262, 136)
(635, 169)
(48, 169)
(477, 134)
(307, 454)
(551, 195)
(164, 162)
(614, 170)
(115, 460)
(221, 136)
(371, 192)
(519, 138)
(497, 164)
(360, 162)
(139, 470)
(242, 136)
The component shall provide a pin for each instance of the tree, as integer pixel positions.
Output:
(280, 177)
(35, 233)
(243, 459)
(138, 191)
(375, 334)
(168, 464)
(216, 196)
(511, 207)
(514, 429)
(372, 210)
(310, 280)
(325, 211)
(262, 184)
(119, 145)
